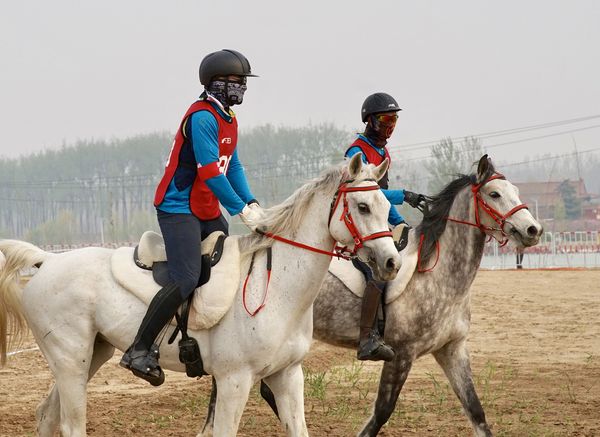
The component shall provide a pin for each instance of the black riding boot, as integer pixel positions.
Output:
(371, 345)
(142, 356)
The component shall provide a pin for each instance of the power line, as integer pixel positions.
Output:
(492, 134)
(522, 140)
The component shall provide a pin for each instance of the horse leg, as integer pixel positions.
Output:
(207, 429)
(454, 360)
(268, 396)
(288, 387)
(231, 399)
(48, 412)
(393, 376)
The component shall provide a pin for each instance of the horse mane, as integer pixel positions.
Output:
(286, 217)
(434, 220)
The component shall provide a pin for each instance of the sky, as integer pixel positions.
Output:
(73, 70)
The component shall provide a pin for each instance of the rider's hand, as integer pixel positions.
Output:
(413, 199)
(253, 204)
(251, 216)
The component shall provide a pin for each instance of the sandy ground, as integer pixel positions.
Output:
(535, 346)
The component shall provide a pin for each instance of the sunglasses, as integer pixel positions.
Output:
(385, 118)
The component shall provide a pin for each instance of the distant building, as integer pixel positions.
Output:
(543, 199)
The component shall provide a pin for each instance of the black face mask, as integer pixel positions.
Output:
(228, 93)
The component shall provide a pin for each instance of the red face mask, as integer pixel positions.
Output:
(386, 124)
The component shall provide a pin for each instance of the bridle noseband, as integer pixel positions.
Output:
(497, 216)
(346, 217)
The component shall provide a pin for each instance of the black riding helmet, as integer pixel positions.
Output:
(378, 102)
(224, 63)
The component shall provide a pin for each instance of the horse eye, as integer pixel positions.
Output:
(494, 195)
(363, 208)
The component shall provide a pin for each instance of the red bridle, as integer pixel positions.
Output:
(339, 251)
(346, 217)
(497, 216)
(479, 202)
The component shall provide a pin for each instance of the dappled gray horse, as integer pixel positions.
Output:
(432, 314)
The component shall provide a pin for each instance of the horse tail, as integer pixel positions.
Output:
(14, 257)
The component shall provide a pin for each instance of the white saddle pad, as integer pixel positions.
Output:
(211, 301)
(354, 280)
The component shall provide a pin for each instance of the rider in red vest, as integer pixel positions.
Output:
(202, 174)
(380, 113)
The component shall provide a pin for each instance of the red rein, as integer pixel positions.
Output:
(339, 251)
(478, 201)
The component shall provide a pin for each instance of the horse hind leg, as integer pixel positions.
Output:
(48, 412)
(393, 377)
(454, 360)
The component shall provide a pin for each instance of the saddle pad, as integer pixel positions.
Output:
(211, 301)
(355, 281)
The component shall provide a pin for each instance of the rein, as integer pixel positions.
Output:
(478, 202)
(338, 251)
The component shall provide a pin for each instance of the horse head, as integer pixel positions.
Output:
(362, 227)
(500, 212)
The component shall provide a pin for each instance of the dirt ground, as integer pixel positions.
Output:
(535, 347)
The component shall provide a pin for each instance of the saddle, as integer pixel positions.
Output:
(355, 280)
(150, 254)
(142, 271)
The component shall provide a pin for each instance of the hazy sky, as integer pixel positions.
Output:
(77, 70)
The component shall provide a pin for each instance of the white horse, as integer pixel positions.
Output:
(78, 313)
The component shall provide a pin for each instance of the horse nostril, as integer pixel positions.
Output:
(532, 231)
(390, 264)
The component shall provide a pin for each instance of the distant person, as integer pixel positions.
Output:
(520, 256)
(202, 174)
(380, 113)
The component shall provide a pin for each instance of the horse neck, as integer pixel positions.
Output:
(461, 245)
(306, 269)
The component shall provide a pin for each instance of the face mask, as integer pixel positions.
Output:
(235, 92)
(228, 93)
(380, 128)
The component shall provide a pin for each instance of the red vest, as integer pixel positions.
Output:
(373, 157)
(203, 203)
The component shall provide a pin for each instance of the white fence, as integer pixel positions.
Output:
(578, 249)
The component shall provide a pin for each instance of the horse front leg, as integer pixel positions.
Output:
(287, 386)
(454, 360)
(207, 429)
(393, 377)
(232, 396)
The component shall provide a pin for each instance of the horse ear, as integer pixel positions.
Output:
(482, 168)
(355, 165)
(380, 170)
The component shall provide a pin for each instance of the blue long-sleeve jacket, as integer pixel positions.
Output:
(232, 190)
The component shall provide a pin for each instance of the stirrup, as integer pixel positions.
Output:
(373, 348)
(144, 364)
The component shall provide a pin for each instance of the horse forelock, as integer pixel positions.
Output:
(285, 218)
(434, 220)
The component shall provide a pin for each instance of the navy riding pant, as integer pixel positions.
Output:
(182, 234)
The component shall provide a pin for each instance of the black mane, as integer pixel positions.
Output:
(438, 207)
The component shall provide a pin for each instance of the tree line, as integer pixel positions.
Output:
(102, 191)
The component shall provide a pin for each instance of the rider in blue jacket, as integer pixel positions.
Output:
(380, 113)
(202, 173)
